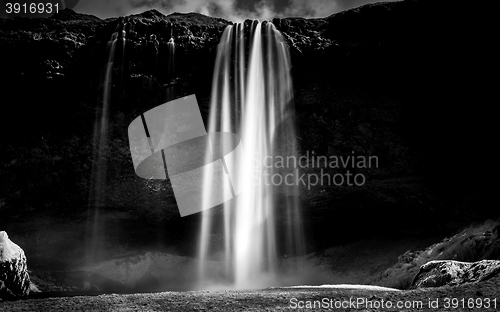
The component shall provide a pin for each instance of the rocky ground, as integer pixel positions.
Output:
(476, 297)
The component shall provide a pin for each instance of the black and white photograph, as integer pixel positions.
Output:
(262, 155)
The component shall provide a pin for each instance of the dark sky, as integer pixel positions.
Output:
(234, 10)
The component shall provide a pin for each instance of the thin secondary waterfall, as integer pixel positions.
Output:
(99, 169)
(252, 97)
(170, 92)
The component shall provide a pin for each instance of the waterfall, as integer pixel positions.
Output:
(170, 92)
(100, 143)
(252, 97)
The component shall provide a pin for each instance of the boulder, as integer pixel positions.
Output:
(448, 272)
(14, 278)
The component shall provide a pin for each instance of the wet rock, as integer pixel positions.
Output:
(14, 278)
(448, 272)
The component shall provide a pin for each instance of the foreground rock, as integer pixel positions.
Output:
(14, 278)
(449, 272)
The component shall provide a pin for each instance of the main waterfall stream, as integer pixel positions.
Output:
(252, 97)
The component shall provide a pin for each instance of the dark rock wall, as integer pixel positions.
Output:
(410, 82)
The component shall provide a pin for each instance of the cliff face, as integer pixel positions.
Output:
(410, 82)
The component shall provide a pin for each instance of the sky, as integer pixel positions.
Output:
(233, 10)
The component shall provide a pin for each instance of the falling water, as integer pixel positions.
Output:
(107, 77)
(99, 169)
(170, 92)
(252, 97)
(171, 52)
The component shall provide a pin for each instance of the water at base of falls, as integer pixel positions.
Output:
(252, 97)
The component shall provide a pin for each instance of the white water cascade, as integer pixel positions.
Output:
(96, 227)
(170, 92)
(252, 97)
